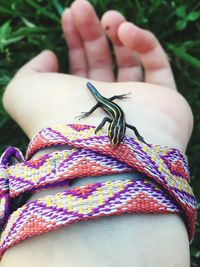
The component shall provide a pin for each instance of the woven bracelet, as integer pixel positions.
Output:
(165, 188)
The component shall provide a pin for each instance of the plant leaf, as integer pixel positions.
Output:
(5, 31)
(181, 11)
(181, 24)
(192, 16)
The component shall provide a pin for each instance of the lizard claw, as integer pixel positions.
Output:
(125, 95)
(83, 115)
(140, 138)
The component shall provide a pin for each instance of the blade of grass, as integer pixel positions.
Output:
(26, 31)
(184, 55)
(43, 11)
(58, 7)
(6, 11)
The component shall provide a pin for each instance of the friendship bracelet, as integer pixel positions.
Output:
(164, 190)
(82, 203)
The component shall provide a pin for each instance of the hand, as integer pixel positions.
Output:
(39, 96)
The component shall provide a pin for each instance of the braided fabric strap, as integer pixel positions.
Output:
(164, 189)
(8, 155)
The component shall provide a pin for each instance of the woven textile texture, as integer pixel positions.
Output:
(164, 190)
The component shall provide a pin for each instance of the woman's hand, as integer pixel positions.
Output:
(39, 96)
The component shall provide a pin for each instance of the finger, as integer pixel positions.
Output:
(46, 61)
(77, 57)
(128, 62)
(96, 46)
(152, 55)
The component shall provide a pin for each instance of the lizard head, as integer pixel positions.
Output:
(116, 134)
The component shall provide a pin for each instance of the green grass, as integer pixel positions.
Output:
(29, 26)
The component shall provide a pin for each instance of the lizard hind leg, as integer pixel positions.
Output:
(102, 124)
(86, 114)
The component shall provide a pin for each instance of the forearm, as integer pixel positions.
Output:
(144, 234)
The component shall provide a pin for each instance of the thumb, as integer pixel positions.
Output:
(46, 61)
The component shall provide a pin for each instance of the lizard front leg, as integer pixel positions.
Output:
(136, 132)
(119, 96)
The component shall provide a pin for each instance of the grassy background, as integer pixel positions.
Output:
(29, 26)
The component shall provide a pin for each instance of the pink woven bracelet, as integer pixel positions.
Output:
(164, 190)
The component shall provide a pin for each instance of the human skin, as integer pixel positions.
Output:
(38, 96)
